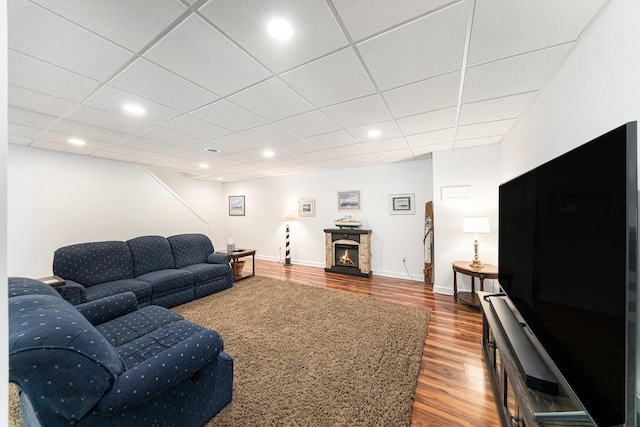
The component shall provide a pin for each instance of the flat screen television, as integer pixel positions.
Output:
(567, 260)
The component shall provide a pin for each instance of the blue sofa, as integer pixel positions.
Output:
(110, 363)
(165, 271)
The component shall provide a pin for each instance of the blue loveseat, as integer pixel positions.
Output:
(165, 271)
(110, 363)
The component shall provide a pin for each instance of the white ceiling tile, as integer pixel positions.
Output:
(395, 155)
(63, 138)
(431, 138)
(307, 124)
(150, 81)
(36, 75)
(387, 130)
(29, 118)
(42, 34)
(197, 51)
(170, 137)
(67, 148)
(203, 146)
(474, 142)
(427, 122)
(508, 107)
(131, 24)
(19, 140)
(269, 134)
(518, 74)
(299, 146)
(320, 155)
(244, 157)
(316, 31)
(406, 54)
(332, 139)
(121, 157)
(228, 115)
(195, 127)
(361, 111)
(81, 130)
(172, 159)
(272, 100)
(426, 149)
(237, 142)
(390, 144)
(156, 163)
(148, 145)
(503, 28)
(112, 100)
(127, 151)
(482, 130)
(24, 131)
(103, 119)
(427, 95)
(37, 102)
(365, 17)
(332, 79)
(277, 151)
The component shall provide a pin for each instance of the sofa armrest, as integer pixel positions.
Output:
(215, 258)
(73, 292)
(108, 308)
(162, 372)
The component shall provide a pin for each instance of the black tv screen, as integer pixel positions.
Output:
(567, 255)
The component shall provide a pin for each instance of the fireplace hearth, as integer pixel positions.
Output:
(348, 251)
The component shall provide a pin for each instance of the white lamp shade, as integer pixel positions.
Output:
(288, 217)
(476, 224)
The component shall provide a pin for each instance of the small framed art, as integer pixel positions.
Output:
(306, 207)
(349, 201)
(236, 205)
(402, 204)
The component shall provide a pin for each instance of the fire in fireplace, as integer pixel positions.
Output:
(346, 255)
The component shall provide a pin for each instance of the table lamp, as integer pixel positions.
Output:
(476, 225)
(287, 257)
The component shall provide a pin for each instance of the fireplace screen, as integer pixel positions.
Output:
(346, 255)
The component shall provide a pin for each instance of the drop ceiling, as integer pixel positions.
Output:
(426, 74)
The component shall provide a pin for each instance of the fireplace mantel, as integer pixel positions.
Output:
(356, 238)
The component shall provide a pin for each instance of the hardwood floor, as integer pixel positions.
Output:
(453, 388)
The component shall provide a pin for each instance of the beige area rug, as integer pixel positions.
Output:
(306, 356)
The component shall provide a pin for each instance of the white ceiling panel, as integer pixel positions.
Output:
(121, 157)
(503, 28)
(198, 52)
(431, 138)
(390, 144)
(406, 54)
(54, 146)
(508, 107)
(365, 17)
(360, 111)
(131, 24)
(385, 130)
(237, 142)
(39, 76)
(30, 118)
(150, 81)
(269, 134)
(195, 127)
(427, 122)
(271, 100)
(394, 156)
(299, 146)
(62, 138)
(23, 131)
(39, 33)
(37, 102)
(427, 95)
(112, 100)
(228, 115)
(308, 124)
(148, 145)
(316, 31)
(518, 74)
(332, 140)
(497, 128)
(170, 137)
(335, 78)
(103, 119)
(81, 130)
(474, 142)
(19, 140)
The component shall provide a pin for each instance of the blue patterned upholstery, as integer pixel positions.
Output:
(158, 270)
(144, 367)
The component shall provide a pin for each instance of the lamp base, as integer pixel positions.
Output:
(476, 264)
(287, 262)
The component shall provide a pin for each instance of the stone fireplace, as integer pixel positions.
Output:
(348, 251)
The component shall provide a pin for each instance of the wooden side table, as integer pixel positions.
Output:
(464, 267)
(52, 281)
(237, 264)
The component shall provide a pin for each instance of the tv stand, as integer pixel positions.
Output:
(526, 389)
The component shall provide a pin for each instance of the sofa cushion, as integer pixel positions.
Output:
(141, 289)
(94, 263)
(23, 286)
(134, 325)
(150, 253)
(206, 272)
(168, 281)
(190, 249)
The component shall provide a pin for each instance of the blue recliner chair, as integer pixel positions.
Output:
(108, 363)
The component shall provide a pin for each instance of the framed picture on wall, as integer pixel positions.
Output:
(349, 201)
(306, 207)
(236, 205)
(402, 204)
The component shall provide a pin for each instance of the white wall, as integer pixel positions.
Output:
(56, 199)
(478, 169)
(4, 327)
(393, 236)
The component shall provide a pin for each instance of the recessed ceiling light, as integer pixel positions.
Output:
(76, 141)
(133, 109)
(280, 29)
(267, 153)
(374, 133)
(212, 150)
(204, 165)
(219, 178)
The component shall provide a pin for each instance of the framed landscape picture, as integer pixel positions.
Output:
(306, 207)
(402, 204)
(236, 205)
(349, 201)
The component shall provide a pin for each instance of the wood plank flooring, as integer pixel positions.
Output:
(453, 388)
